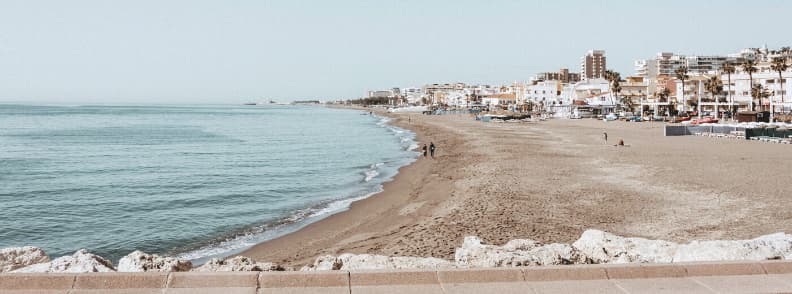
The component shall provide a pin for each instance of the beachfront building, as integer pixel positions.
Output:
(563, 75)
(634, 90)
(412, 96)
(694, 92)
(740, 89)
(593, 65)
(444, 94)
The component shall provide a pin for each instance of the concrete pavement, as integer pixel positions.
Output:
(714, 277)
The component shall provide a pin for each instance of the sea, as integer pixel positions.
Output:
(192, 181)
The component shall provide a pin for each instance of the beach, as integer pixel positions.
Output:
(549, 181)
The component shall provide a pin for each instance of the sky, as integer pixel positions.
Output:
(172, 51)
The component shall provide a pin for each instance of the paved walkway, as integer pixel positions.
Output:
(721, 277)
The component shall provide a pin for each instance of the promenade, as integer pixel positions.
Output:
(718, 277)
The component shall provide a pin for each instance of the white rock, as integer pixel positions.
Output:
(80, 262)
(376, 262)
(324, 263)
(774, 246)
(600, 247)
(237, 264)
(519, 252)
(19, 257)
(138, 261)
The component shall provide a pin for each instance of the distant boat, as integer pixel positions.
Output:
(249, 103)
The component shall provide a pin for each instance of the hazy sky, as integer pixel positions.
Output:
(139, 51)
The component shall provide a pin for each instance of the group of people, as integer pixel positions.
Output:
(431, 149)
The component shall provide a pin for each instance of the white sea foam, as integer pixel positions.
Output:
(305, 216)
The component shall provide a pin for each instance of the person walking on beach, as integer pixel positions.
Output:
(424, 150)
(605, 135)
(432, 149)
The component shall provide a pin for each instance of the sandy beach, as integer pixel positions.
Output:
(550, 181)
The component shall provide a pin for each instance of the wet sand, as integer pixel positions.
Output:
(550, 181)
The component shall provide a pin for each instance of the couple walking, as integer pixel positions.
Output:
(431, 149)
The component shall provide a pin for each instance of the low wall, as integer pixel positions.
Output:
(523, 279)
(686, 130)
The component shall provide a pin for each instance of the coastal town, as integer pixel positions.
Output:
(668, 86)
(395, 147)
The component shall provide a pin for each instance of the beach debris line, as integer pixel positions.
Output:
(593, 247)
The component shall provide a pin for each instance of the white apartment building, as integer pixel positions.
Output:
(740, 89)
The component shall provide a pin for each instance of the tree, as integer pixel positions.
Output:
(613, 78)
(780, 65)
(714, 85)
(663, 97)
(759, 92)
(749, 66)
(682, 75)
(729, 69)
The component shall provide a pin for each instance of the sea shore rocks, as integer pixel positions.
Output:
(593, 247)
(519, 252)
(81, 261)
(138, 261)
(19, 257)
(376, 262)
(237, 264)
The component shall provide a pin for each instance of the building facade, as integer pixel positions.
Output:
(593, 65)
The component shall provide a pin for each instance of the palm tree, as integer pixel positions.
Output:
(663, 97)
(613, 78)
(759, 92)
(715, 86)
(780, 65)
(682, 74)
(749, 66)
(729, 69)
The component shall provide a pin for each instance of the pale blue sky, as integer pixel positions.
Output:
(144, 51)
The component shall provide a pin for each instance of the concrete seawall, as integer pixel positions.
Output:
(715, 277)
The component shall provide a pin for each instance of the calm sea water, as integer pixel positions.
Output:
(189, 181)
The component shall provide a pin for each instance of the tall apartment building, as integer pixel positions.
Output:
(562, 75)
(592, 65)
(666, 63)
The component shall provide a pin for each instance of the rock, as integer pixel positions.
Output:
(19, 257)
(376, 262)
(138, 261)
(238, 264)
(774, 246)
(80, 262)
(600, 247)
(519, 252)
(324, 263)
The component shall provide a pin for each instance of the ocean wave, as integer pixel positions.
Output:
(372, 172)
(302, 217)
(295, 221)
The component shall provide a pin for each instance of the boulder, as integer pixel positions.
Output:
(237, 264)
(376, 262)
(774, 246)
(19, 257)
(324, 263)
(519, 252)
(596, 246)
(138, 261)
(80, 262)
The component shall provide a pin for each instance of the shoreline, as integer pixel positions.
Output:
(333, 225)
(550, 181)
